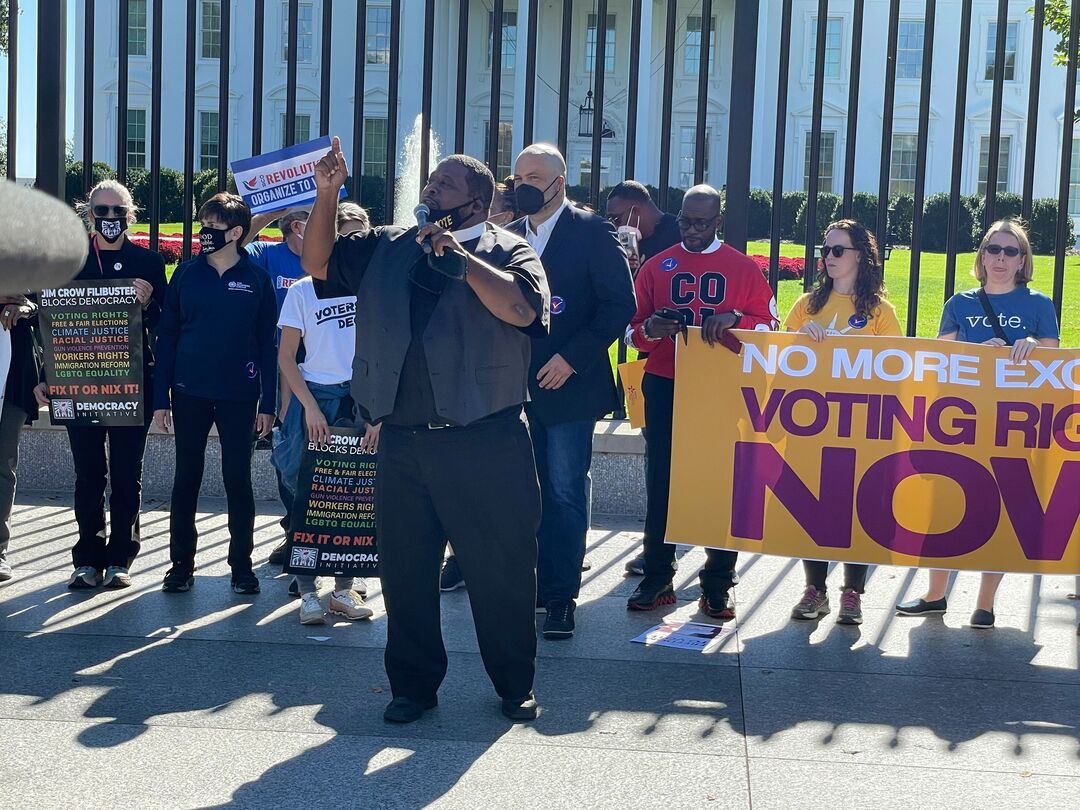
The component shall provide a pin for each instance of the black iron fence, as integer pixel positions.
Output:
(53, 42)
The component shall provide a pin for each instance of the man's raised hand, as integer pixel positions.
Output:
(331, 171)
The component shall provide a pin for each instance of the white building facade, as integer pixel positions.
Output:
(648, 124)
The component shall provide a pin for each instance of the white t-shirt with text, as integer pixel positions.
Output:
(328, 326)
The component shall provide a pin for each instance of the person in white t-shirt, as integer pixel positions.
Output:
(319, 388)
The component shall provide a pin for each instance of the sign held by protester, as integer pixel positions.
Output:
(334, 530)
(281, 179)
(92, 333)
(893, 451)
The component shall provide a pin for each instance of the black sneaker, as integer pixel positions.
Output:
(245, 584)
(407, 710)
(520, 711)
(177, 580)
(451, 579)
(653, 592)
(717, 605)
(560, 619)
(982, 619)
(277, 556)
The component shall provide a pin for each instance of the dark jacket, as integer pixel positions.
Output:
(477, 363)
(25, 370)
(216, 338)
(592, 301)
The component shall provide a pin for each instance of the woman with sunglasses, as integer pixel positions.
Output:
(108, 211)
(848, 298)
(1002, 311)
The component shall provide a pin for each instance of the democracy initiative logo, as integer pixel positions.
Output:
(63, 409)
(303, 557)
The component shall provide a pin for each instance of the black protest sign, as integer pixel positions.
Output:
(333, 521)
(92, 333)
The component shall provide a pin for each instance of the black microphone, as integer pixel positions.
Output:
(421, 212)
(451, 264)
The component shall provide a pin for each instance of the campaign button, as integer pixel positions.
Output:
(669, 264)
(558, 305)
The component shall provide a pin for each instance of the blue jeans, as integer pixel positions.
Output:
(290, 439)
(563, 457)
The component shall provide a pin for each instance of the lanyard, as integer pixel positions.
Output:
(97, 254)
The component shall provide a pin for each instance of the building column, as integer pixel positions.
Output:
(519, 76)
(647, 169)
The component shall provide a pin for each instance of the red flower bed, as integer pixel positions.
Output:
(171, 246)
(791, 269)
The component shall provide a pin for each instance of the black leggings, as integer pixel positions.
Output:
(235, 422)
(854, 575)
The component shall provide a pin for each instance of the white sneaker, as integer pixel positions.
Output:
(85, 578)
(116, 577)
(311, 611)
(349, 604)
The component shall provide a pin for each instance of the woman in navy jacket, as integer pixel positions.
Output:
(217, 366)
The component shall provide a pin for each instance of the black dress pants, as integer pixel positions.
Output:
(477, 485)
(719, 571)
(93, 471)
(235, 422)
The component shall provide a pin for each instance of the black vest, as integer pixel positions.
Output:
(478, 364)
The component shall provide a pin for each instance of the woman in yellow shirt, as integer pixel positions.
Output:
(848, 298)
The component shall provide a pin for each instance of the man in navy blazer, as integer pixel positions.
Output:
(571, 383)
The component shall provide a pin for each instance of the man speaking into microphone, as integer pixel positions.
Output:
(444, 317)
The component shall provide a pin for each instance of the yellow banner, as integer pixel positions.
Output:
(894, 451)
(631, 375)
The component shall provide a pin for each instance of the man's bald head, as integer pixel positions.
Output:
(547, 154)
(701, 196)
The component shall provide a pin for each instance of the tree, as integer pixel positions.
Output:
(3, 145)
(3, 27)
(1058, 20)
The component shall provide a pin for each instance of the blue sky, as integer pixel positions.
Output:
(27, 89)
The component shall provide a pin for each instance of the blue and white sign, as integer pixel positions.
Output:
(281, 179)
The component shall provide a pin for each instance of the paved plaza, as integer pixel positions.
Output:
(206, 699)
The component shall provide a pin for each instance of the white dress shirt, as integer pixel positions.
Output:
(538, 239)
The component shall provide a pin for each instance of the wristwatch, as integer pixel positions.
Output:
(738, 317)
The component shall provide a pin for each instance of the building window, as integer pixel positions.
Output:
(585, 172)
(1010, 51)
(504, 154)
(375, 147)
(692, 48)
(687, 153)
(1074, 180)
(136, 28)
(136, 139)
(832, 47)
(378, 35)
(1004, 148)
(301, 129)
(825, 163)
(909, 50)
(609, 44)
(210, 31)
(902, 165)
(303, 33)
(208, 140)
(509, 39)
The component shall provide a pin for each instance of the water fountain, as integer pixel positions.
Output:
(407, 185)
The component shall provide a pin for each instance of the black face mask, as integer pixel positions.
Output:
(530, 199)
(110, 229)
(450, 218)
(212, 240)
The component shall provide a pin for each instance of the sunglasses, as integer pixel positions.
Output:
(105, 210)
(836, 250)
(687, 224)
(1010, 251)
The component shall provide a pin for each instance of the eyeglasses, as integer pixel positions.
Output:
(835, 250)
(687, 224)
(1010, 251)
(105, 210)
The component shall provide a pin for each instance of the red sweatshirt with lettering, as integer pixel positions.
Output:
(699, 285)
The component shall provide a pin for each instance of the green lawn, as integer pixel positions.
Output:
(931, 283)
(932, 288)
